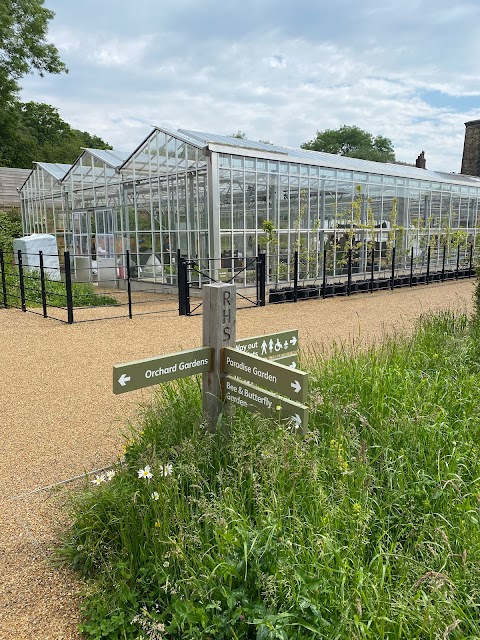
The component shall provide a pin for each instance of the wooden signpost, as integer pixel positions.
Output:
(258, 374)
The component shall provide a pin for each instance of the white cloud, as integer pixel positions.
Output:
(272, 70)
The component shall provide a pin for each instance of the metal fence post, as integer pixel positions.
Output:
(443, 261)
(392, 282)
(411, 266)
(42, 284)
(349, 272)
(181, 267)
(261, 279)
(324, 280)
(68, 287)
(129, 283)
(4, 279)
(187, 289)
(21, 281)
(471, 261)
(372, 268)
(295, 276)
(428, 264)
(458, 262)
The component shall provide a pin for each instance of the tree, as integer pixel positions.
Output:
(23, 44)
(38, 134)
(353, 142)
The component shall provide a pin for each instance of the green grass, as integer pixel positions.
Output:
(83, 293)
(366, 528)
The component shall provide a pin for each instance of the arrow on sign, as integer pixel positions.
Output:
(124, 379)
(266, 374)
(296, 386)
(271, 344)
(297, 420)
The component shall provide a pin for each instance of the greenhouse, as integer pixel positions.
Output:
(42, 201)
(220, 201)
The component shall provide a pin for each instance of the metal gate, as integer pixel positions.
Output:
(247, 273)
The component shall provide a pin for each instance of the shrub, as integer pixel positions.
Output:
(10, 228)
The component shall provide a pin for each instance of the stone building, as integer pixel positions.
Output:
(471, 149)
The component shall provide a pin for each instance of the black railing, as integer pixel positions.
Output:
(382, 271)
(248, 273)
(64, 290)
(71, 289)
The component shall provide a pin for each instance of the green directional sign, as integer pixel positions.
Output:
(290, 361)
(144, 373)
(267, 374)
(270, 345)
(245, 395)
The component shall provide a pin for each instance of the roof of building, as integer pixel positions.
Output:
(112, 157)
(330, 160)
(55, 169)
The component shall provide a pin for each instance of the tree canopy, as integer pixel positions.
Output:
(23, 44)
(35, 132)
(353, 142)
(32, 131)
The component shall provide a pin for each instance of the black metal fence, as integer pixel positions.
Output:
(378, 274)
(247, 273)
(80, 289)
(92, 290)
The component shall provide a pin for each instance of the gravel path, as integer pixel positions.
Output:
(59, 418)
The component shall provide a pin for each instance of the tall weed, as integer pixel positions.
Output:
(368, 527)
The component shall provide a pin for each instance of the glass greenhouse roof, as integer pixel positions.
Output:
(319, 158)
(56, 170)
(112, 157)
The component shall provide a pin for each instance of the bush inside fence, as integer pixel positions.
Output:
(83, 293)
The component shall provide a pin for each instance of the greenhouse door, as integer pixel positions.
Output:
(82, 238)
(104, 233)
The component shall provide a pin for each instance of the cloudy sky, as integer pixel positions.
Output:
(277, 70)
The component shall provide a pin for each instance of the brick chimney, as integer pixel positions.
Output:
(420, 162)
(471, 149)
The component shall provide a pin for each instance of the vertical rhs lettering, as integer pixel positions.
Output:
(226, 316)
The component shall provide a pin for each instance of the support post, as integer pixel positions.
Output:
(458, 262)
(42, 284)
(372, 266)
(219, 331)
(324, 279)
(349, 272)
(261, 279)
(21, 281)
(4, 279)
(428, 263)
(68, 287)
(392, 282)
(470, 262)
(186, 285)
(295, 276)
(411, 266)
(129, 284)
(443, 261)
(181, 282)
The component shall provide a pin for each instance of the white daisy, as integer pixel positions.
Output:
(167, 470)
(145, 473)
